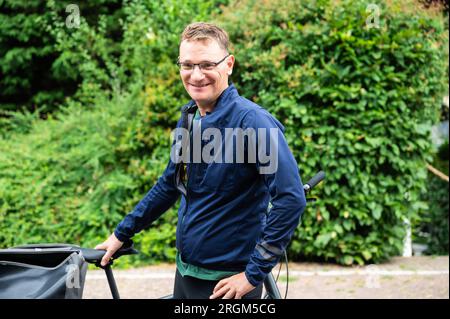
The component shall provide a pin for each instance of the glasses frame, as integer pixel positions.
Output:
(180, 64)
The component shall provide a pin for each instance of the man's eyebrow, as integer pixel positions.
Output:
(190, 61)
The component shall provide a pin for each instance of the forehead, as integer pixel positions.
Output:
(200, 50)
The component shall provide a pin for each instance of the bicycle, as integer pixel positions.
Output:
(40, 270)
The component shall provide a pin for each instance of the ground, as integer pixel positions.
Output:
(402, 277)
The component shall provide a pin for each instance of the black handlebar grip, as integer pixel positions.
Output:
(316, 179)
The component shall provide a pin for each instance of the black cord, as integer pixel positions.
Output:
(279, 270)
(287, 274)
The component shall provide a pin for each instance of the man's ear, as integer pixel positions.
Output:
(231, 64)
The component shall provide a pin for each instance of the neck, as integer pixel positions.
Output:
(208, 107)
(203, 109)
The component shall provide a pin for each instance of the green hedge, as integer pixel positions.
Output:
(73, 177)
(357, 103)
(34, 70)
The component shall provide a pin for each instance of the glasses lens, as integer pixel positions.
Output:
(207, 66)
(186, 66)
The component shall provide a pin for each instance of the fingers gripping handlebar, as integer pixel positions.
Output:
(94, 256)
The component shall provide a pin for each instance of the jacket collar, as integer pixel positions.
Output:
(226, 96)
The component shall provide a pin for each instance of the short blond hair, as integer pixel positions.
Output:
(203, 30)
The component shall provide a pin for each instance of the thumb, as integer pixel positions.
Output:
(106, 257)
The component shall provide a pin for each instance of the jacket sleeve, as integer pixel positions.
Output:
(286, 194)
(157, 201)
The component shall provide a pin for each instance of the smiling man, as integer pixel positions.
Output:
(227, 240)
(205, 80)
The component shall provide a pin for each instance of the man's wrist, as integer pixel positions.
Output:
(120, 236)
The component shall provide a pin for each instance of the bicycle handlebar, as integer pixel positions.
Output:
(94, 256)
(316, 179)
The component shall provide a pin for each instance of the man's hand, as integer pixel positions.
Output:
(111, 245)
(235, 287)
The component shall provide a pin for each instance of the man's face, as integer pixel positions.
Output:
(203, 86)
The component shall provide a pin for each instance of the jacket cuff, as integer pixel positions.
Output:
(252, 280)
(254, 276)
(120, 236)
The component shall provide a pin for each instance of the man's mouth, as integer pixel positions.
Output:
(199, 85)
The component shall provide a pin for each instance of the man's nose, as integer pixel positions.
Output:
(197, 74)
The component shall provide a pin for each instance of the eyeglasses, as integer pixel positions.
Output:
(203, 66)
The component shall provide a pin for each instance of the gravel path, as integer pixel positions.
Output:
(415, 277)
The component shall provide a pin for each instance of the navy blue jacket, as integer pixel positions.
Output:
(224, 223)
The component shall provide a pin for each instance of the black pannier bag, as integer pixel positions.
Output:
(45, 271)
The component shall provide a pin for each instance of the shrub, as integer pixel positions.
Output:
(35, 72)
(357, 102)
(73, 177)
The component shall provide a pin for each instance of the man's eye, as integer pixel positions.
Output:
(207, 66)
(187, 66)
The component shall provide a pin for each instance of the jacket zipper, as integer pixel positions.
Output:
(187, 203)
(188, 174)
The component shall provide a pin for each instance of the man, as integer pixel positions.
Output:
(227, 242)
